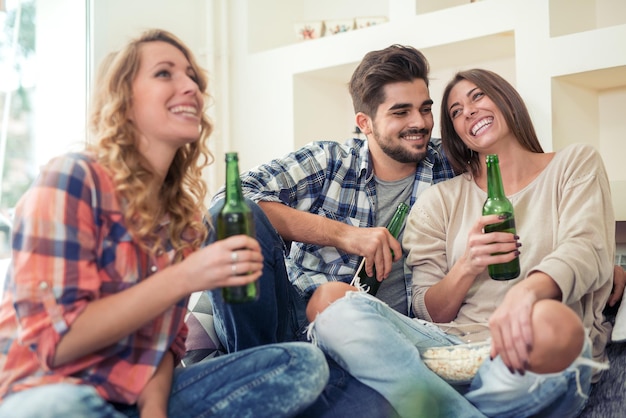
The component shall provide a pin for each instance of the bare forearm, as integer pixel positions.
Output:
(540, 285)
(154, 397)
(300, 226)
(443, 300)
(108, 320)
(376, 244)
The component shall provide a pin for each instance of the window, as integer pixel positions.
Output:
(43, 90)
(17, 47)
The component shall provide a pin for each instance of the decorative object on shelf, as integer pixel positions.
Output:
(336, 26)
(309, 30)
(367, 21)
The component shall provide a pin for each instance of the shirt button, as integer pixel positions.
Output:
(153, 268)
(43, 285)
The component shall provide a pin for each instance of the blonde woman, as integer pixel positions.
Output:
(107, 249)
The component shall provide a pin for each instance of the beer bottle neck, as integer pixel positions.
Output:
(233, 182)
(494, 178)
(397, 221)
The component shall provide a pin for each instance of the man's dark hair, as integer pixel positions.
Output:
(393, 64)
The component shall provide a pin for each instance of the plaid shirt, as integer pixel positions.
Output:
(335, 181)
(71, 246)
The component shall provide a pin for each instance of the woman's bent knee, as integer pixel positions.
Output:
(558, 337)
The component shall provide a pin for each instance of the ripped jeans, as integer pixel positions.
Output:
(380, 347)
(498, 392)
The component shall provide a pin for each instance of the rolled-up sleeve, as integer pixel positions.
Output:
(54, 256)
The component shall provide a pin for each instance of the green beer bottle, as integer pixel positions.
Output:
(394, 226)
(498, 204)
(235, 218)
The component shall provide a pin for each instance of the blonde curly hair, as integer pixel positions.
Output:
(182, 192)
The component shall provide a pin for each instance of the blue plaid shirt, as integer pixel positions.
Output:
(335, 181)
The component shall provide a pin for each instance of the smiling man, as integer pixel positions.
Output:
(323, 208)
(331, 201)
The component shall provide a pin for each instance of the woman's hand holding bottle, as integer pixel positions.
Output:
(233, 261)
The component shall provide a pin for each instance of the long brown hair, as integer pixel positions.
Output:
(510, 103)
(181, 195)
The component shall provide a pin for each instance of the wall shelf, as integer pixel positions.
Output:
(568, 17)
(567, 59)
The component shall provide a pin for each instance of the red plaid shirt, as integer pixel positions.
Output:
(71, 246)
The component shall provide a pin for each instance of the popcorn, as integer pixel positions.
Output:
(456, 364)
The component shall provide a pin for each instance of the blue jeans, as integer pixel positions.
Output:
(279, 313)
(270, 381)
(279, 316)
(381, 348)
(499, 393)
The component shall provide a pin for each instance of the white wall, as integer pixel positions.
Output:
(195, 22)
(291, 92)
(269, 90)
(117, 21)
(59, 105)
(62, 44)
(284, 93)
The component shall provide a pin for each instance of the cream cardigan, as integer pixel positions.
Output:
(566, 225)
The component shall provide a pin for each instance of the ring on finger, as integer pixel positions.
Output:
(234, 256)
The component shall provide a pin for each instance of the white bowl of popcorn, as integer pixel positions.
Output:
(456, 364)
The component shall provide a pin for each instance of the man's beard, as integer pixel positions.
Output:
(397, 151)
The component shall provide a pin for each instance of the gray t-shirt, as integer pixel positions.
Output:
(390, 194)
